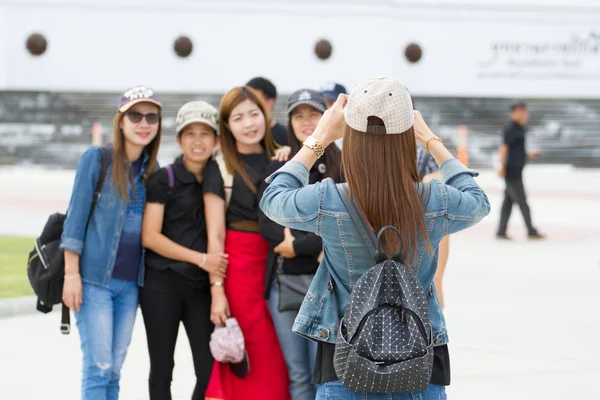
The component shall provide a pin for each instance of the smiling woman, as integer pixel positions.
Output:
(178, 268)
(247, 147)
(103, 251)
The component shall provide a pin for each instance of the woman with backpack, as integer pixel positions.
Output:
(294, 255)
(178, 267)
(231, 204)
(104, 258)
(383, 189)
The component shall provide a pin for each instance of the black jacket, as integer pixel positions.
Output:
(307, 246)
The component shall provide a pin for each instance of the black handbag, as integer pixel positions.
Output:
(292, 288)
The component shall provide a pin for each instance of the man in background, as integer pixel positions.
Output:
(513, 156)
(268, 92)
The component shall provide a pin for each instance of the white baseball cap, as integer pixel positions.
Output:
(197, 111)
(382, 97)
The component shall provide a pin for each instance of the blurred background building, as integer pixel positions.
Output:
(63, 64)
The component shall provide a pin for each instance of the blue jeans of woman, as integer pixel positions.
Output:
(105, 324)
(336, 391)
(299, 353)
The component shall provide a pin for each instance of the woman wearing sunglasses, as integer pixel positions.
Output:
(176, 289)
(104, 259)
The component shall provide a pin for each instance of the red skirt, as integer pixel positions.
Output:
(244, 287)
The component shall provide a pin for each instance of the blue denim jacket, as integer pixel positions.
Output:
(98, 245)
(290, 201)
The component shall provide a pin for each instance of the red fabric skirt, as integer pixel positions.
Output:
(244, 287)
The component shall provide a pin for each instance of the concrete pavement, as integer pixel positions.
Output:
(522, 316)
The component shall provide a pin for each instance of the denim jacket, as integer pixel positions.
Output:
(454, 205)
(98, 245)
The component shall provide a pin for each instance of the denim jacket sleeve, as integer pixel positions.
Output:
(466, 203)
(86, 176)
(290, 201)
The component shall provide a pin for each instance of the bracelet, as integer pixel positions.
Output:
(203, 263)
(315, 146)
(216, 284)
(72, 276)
(429, 140)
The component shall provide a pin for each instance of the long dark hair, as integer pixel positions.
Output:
(381, 171)
(332, 156)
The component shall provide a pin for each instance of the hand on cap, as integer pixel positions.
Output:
(332, 125)
(422, 131)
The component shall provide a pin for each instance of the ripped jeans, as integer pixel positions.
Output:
(105, 324)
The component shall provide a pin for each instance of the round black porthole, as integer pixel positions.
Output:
(183, 46)
(323, 49)
(36, 44)
(413, 53)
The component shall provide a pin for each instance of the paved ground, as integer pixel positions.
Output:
(522, 316)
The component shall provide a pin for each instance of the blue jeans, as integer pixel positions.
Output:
(335, 390)
(299, 352)
(105, 324)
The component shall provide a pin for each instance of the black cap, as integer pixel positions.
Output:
(306, 96)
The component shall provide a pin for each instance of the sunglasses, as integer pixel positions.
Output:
(135, 117)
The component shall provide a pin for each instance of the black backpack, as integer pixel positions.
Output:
(46, 265)
(384, 341)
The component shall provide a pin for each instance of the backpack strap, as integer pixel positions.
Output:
(365, 231)
(65, 320)
(227, 178)
(169, 169)
(424, 189)
(98, 188)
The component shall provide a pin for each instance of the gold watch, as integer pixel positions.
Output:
(315, 146)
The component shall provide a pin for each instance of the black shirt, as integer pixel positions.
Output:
(325, 372)
(243, 205)
(280, 134)
(514, 138)
(307, 245)
(183, 220)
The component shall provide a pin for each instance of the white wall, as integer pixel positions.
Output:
(98, 45)
(3, 44)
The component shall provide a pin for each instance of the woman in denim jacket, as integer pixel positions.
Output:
(379, 128)
(104, 261)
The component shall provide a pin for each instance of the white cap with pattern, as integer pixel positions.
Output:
(197, 111)
(382, 97)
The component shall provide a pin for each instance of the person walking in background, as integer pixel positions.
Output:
(104, 260)
(231, 208)
(293, 252)
(513, 157)
(176, 289)
(268, 92)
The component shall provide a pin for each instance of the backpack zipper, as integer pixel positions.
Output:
(39, 253)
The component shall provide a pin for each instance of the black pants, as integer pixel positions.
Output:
(515, 193)
(166, 300)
